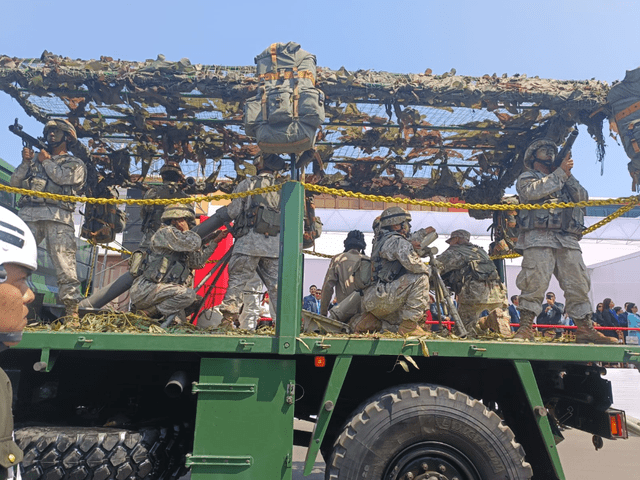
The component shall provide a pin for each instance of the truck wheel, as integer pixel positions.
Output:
(77, 453)
(426, 432)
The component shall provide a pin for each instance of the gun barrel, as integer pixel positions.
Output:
(566, 148)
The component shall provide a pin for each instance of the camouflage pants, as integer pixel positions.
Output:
(479, 296)
(251, 300)
(406, 298)
(168, 298)
(539, 263)
(242, 269)
(60, 243)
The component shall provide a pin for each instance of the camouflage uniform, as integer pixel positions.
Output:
(474, 294)
(339, 276)
(549, 242)
(252, 251)
(151, 214)
(251, 303)
(171, 292)
(405, 297)
(52, 220)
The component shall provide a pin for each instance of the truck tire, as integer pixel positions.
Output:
(77, 453)
(430, 432)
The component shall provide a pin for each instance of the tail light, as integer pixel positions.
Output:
(618, 423)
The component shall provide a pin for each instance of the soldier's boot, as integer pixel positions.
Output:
(587, 334)
(411, 328)
(169, 320)
(365, 322)
(496, 321)
(71, 312)
(228, 321)
(525, 332)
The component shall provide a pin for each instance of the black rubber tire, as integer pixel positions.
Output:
(409, 427)
(78, 453)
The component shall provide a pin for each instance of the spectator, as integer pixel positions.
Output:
(597, 315)
(609, 318)
(309, 300)
(551, 313)
(623, 315)
(633, 321)
(514, 313)
(318, 300)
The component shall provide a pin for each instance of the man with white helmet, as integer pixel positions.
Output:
(164, 285)
(549, 241)
(54, 171)
(18, 258)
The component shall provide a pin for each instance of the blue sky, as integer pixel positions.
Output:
(552, 39)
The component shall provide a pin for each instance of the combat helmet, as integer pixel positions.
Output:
(530, 152)
(177, 210)
(170, 171)
(394, 216)
(355, 239)
(64, 125)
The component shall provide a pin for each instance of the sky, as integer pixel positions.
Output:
(551, 39)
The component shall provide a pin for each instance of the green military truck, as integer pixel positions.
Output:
(118, 405)
(156, 405)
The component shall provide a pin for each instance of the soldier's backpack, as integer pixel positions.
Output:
(624, 100)
(287, 110)
(363, 274)
(102, 222)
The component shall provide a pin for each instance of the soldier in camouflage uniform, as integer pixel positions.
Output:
(549, 241)
(54, 171)
(151, 215)
(257, 232)
(399, 296)
(339, 275)
(469, 272)
(164, 284)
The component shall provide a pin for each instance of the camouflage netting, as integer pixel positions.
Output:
(418, 135)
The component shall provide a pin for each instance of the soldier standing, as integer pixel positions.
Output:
(54, 171)
(18, 258)
(470, 273)
(549, 240)
(257, 232)
(399, 296)
(151, 215)
(164, 284)
(339, 275)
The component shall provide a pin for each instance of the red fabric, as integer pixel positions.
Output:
(217, 293)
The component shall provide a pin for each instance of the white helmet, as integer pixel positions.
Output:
(17, 244)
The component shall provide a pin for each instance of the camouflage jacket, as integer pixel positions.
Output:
(536, 187)
(457, 274)
(339, 276)
(168, 241)
(62, 174)
(396, 248)
(253, 243)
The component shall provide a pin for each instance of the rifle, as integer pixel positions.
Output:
(566, 148)
(441, 291)
(27, 140)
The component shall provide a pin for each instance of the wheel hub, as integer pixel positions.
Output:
(431, 461)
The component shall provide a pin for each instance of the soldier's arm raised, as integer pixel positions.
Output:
(403, 251)
(19, 174)
(170, 238)
(576, 191)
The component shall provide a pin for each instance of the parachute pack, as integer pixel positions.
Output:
(288, 109)
(102, 222)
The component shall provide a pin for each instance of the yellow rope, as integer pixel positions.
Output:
(633, 200)
(317, 254)
(131, 201)
(107, 247)
(469, 206)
